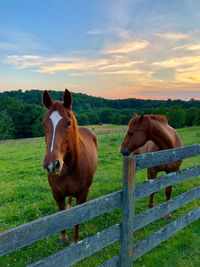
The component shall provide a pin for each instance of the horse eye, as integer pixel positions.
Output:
(130, 133)
(68, 123)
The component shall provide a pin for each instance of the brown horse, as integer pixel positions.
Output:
(149, 133)
(71, 155)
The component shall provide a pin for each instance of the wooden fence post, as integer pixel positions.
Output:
(129, 170)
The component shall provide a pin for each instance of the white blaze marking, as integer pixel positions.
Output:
(55, 118)
(50, 167)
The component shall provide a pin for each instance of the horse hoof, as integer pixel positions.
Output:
(168, 217)
(63, 242)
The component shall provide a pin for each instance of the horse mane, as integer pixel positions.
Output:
(161, 118)
(74, 154)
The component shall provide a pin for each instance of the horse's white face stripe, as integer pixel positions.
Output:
(50, 167)
(55, 118)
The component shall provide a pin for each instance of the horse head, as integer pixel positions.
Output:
(58, 123)
(138, 134)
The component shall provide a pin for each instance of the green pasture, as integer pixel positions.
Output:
(25, 195)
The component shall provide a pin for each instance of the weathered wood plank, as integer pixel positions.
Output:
(82, 249)
(150, 242)
(144, 218)
(165, 156)
(113, 234)
(29, 233)
(113, 262)
(148, 187)
(161, 235)
(128, 199)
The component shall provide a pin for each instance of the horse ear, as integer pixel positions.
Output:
(46, 99)
(135, 114)
(141, 117)
(67, 98)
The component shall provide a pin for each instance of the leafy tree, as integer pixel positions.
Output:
(149, 111)
(161, 111)
(83, 119)
(37, 127)
(106, 115)
(126, 115)
(124, 119)
(32, 112)
(6, 126)
(191, 116)
(116, 119)
(176, 117)
(198, 117)
(15, 110)
(93, 117)
(25, 109)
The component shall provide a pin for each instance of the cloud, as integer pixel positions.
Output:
(106, 65)
(73, 64)
(95, 32)
(193, 47)
(117, 72)
(24, 61)
(190, 47)
(120, 65)
(33, 61)
(186, 68)
(126, 47)
(172, 36)
(135, 63)
(188, 77)
(179, 61)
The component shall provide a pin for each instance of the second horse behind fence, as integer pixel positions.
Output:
(150, 133)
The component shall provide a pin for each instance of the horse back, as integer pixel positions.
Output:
(175, 136)
(149, 146)
(88, 135)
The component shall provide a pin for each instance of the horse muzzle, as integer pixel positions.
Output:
(125, 151)
(52, 168)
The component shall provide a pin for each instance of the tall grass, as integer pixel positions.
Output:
(25, 195)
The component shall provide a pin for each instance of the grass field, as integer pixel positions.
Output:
(25, 196)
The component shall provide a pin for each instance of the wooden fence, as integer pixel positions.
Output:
(97, 132)
(29, 233)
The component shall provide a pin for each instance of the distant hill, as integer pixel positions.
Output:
(21, 113)
(139, 105)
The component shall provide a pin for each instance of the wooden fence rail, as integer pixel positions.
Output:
(28, 233)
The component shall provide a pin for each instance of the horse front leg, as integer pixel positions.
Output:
(69, 205)
(81, 199)
(151, 174)
(168, 192)
(60, 200)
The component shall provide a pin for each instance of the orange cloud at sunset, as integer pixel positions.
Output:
(126, 47)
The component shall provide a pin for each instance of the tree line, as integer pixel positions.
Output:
(22, 113)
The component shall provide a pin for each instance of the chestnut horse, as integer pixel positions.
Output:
(149, 133)
(71, 155)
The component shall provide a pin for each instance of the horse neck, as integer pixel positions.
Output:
(161, 136)
(72, 156)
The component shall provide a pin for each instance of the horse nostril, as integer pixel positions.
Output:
(125, 152)
(57, 165)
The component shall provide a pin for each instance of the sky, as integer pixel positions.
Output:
(115, 49)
